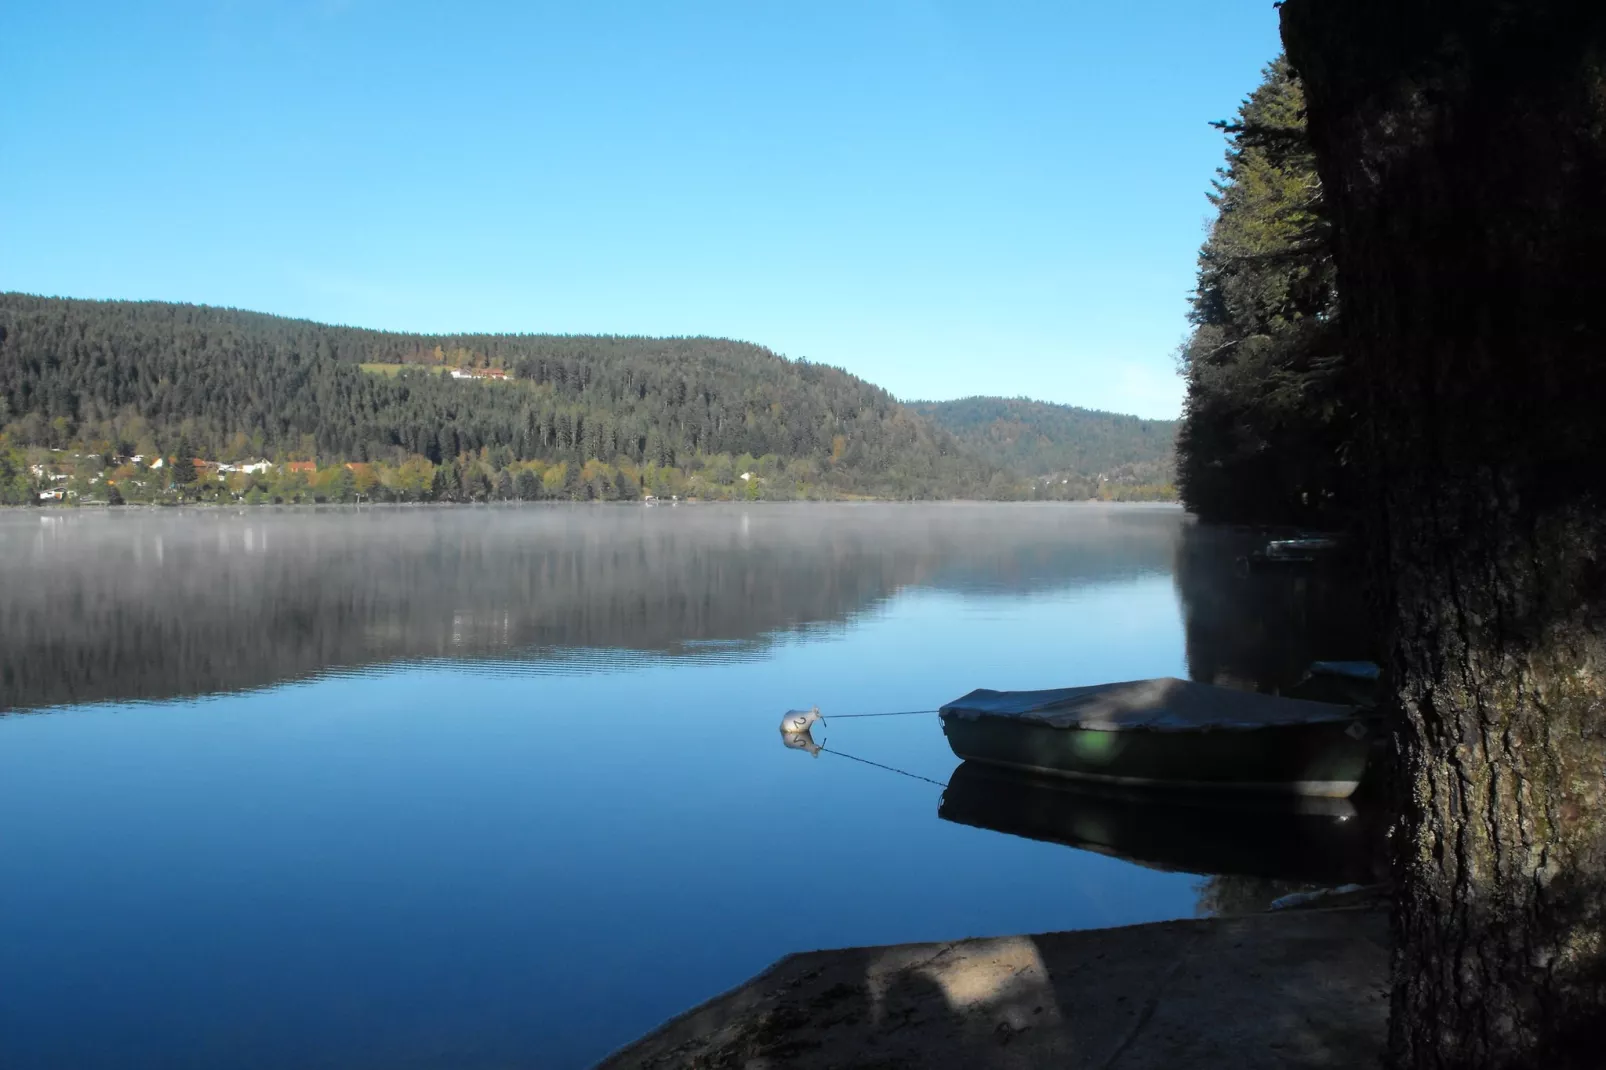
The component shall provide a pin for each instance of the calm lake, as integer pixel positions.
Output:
(489, 787)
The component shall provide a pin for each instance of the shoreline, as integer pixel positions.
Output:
(102, 507)
(1294, 988)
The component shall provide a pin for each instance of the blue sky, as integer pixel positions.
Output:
(945, 198)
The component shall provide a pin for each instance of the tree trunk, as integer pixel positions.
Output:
(1462, 145)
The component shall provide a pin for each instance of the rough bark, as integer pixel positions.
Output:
(1463, 147)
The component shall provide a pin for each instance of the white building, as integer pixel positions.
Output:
(249, 467)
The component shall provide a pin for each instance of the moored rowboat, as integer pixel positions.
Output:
(1166, 733)
(1296, 552)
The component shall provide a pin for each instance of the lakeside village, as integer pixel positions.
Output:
(63, 477)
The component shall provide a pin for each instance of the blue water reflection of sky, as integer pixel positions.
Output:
(474, 865)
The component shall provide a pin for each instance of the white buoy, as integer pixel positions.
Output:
(799, 720)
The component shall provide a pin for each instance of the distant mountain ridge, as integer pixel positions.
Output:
(1037, 438)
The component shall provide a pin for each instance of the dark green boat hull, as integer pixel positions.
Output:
(1322, 759)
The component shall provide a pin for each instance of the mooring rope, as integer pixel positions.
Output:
(888, 768)
(899, 713)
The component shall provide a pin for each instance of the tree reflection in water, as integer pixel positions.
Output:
(152, 604)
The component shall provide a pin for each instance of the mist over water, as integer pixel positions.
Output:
(487, 786)
(157, 604)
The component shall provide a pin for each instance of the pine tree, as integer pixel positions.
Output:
(527, 486)
(1464, 146)
(184, 463)
(1264, 432)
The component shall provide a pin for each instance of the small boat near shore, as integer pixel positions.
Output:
(1167, 733)
(1298, 552)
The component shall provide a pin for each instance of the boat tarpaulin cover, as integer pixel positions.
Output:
(1164, 705)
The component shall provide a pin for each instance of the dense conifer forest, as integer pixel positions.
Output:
(1267, 430)
(148, 401)
(1125, 455)
(548, 416)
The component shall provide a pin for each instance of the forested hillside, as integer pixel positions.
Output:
(1037, 439)
(616, 413)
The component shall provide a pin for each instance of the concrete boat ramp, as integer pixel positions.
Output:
(1298, 988)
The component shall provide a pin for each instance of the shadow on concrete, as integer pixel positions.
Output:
(1296, 989)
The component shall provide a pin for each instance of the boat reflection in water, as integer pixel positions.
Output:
(1307, 840)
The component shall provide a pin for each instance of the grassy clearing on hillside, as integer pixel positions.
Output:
(392, 370)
